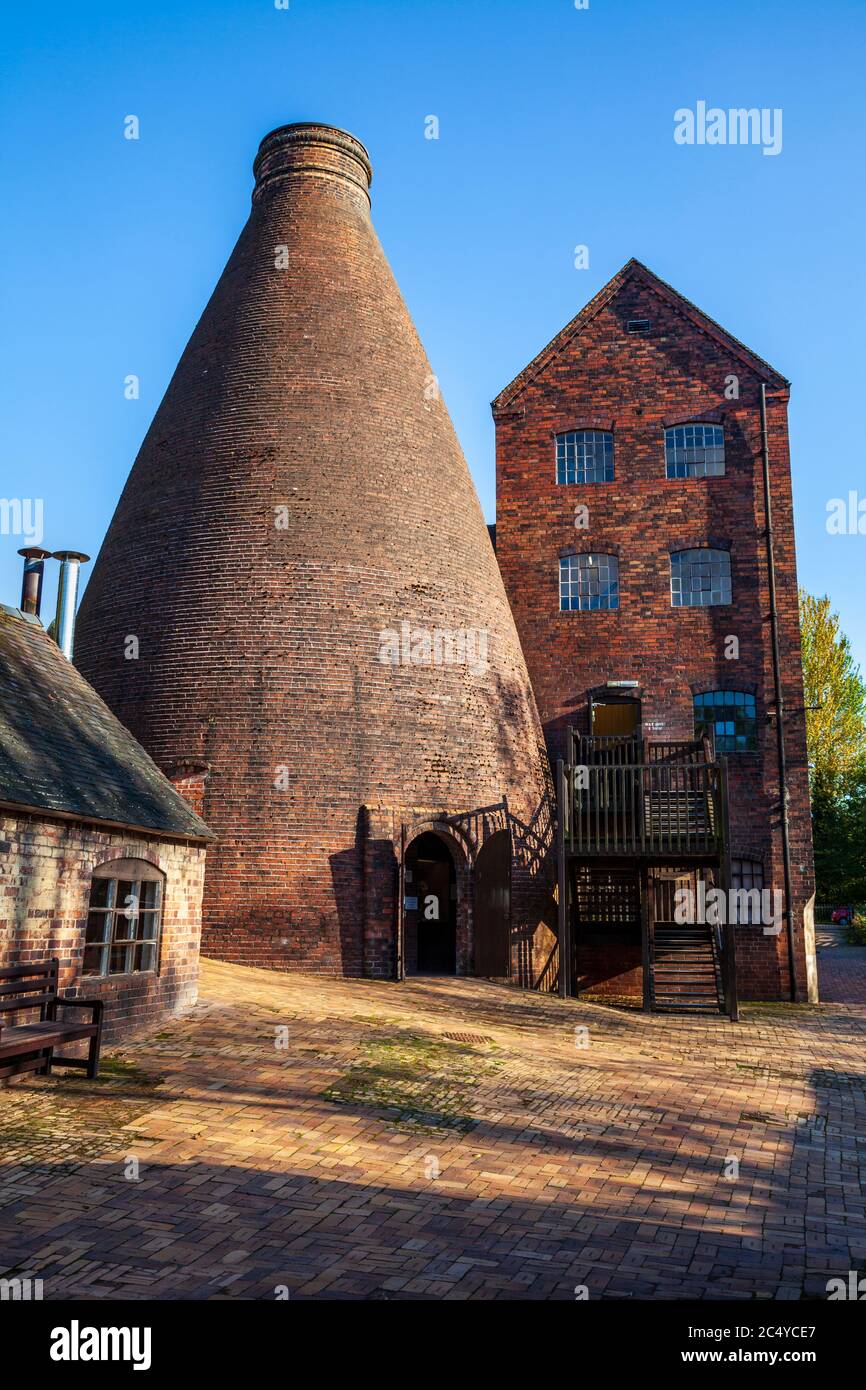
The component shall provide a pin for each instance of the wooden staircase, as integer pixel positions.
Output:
(676, 814)
(685, 972)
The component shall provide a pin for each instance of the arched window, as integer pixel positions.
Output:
(700, 578)
(695, 451)
(731, 717)
(588, 581)
(584, 456)
(123, 919)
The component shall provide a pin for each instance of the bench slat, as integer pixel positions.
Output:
(24, 1063)
(48, 986)
(10, 1005)
(42, 967)
(35, 1037)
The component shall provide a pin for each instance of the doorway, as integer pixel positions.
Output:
(615, 718)
(607, 942)
(493, 907)
(431, 907)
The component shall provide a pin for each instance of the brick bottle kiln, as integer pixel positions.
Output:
(324, 657)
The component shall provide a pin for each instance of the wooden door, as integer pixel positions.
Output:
(616, 717)
(493, 907)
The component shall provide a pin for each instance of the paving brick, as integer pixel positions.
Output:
(647, 1211)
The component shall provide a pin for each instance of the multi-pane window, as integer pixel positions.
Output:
(695, 451)
(747, 875)
(589, 581)
(584, 456)
(731, 716)
(123, 919)
(700, 578)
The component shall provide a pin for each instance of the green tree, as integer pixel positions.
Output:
(835, 694)
(835, 697)
(839, 833)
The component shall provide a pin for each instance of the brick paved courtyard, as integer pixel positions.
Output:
(327, 1138)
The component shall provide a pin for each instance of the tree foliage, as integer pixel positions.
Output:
(835, 696)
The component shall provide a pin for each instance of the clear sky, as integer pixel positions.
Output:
(556, 129)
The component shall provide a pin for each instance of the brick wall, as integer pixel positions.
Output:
(45, 869)
(611, 970)
(605, 378)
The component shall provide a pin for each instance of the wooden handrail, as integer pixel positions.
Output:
(626, 749)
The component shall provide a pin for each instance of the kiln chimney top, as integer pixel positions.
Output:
(309, 148)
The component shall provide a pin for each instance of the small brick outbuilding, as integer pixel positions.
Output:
(101, 859)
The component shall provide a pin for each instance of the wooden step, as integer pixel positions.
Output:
(684, 970)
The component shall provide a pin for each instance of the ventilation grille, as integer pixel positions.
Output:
(467, 1037)
(638, 326)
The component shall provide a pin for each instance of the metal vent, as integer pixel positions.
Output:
(638, 326)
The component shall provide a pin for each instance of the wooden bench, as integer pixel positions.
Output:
(30, 1046)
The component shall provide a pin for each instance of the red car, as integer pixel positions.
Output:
(842, 916)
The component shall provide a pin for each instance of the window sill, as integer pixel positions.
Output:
(124, 975)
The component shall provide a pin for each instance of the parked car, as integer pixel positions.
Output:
(842, 916)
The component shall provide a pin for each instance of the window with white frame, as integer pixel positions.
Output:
(747, 875)
(584, 456)
(700, 578)
(695, 451)
(588, 582)
(123, 918)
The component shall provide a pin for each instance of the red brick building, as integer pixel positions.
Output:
(101, 859)
(298, 593)
(631, 533)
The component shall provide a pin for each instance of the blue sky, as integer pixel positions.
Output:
(556, 129)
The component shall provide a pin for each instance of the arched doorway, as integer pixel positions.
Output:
(431, 907)
(493, 907)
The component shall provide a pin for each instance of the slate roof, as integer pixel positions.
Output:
(636, 270)
(63, 751)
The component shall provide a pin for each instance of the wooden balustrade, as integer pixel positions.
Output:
(621, 749)
(647, 809)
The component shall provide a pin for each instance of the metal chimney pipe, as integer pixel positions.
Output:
(34, 573)
(67, 598)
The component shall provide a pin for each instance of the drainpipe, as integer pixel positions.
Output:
(67, 598)
(780, 703)
(34, 573)
(563, 789)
